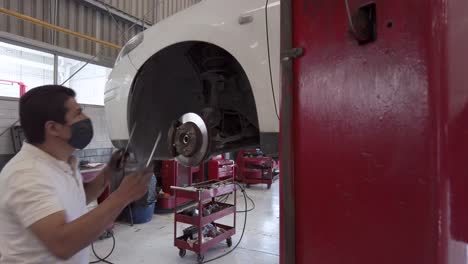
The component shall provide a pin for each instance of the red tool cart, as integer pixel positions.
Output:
(175, 174)
(204, 233)
(220, 168)
(253, 167)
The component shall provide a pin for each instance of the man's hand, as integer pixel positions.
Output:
(135, 185)
(118, 160)
(94, 188)
(116, 163)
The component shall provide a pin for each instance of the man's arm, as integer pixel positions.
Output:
(66, 239)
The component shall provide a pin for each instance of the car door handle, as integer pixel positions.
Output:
(245, 19)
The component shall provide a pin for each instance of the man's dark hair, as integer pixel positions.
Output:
(42, 104)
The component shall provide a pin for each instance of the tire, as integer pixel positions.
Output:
(200, 258)
(182, 252)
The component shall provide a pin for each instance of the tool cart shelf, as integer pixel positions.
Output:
(202, 217)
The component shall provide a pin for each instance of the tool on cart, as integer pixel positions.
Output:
(204, 232)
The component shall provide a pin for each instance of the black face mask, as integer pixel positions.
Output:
(81, 134)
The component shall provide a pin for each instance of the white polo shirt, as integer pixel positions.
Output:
(34, 185)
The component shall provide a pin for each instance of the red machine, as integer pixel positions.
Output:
(253, 167)
(175, 174)
(220, 168)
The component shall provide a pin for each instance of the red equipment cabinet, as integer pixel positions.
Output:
(205, 195)
(374, 144)
(220, 168)
(253, 167)
(175, 174)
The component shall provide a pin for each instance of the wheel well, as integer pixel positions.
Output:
(191, 77)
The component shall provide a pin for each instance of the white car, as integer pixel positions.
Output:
(207, 78)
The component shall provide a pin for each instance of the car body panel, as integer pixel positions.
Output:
(215, 22)
(274, 35)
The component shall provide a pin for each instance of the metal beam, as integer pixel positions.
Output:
(56, 69)
(116, 12)
(287, 223)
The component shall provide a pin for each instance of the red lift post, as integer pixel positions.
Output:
(374, 136)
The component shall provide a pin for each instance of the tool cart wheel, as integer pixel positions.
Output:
(182, 252)
(200, 258)
(269, 186)
(247, 186)
(229, 242)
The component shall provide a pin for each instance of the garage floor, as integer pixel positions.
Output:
(153, 242)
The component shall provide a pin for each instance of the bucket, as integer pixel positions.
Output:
(143, 209)
(142, 214)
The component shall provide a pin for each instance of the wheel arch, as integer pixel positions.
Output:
(172, 57)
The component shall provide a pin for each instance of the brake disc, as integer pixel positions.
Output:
(189, 140)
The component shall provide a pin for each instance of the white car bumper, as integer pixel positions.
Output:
(116, 99)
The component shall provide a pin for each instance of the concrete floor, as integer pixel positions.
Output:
(153, 242)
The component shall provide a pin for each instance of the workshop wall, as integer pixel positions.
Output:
(8, 115)
(99, 150)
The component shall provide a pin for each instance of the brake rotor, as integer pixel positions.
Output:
(189, 140)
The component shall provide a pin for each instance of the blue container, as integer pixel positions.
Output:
(142, 214)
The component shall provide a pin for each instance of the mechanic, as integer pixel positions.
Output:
(43, 215)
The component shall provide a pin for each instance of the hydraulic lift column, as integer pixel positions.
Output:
(374, 133)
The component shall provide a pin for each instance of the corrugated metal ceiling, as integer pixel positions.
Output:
(87, 19)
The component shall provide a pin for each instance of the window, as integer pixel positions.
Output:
(18, 64)
(88, 83)
(35, 68)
